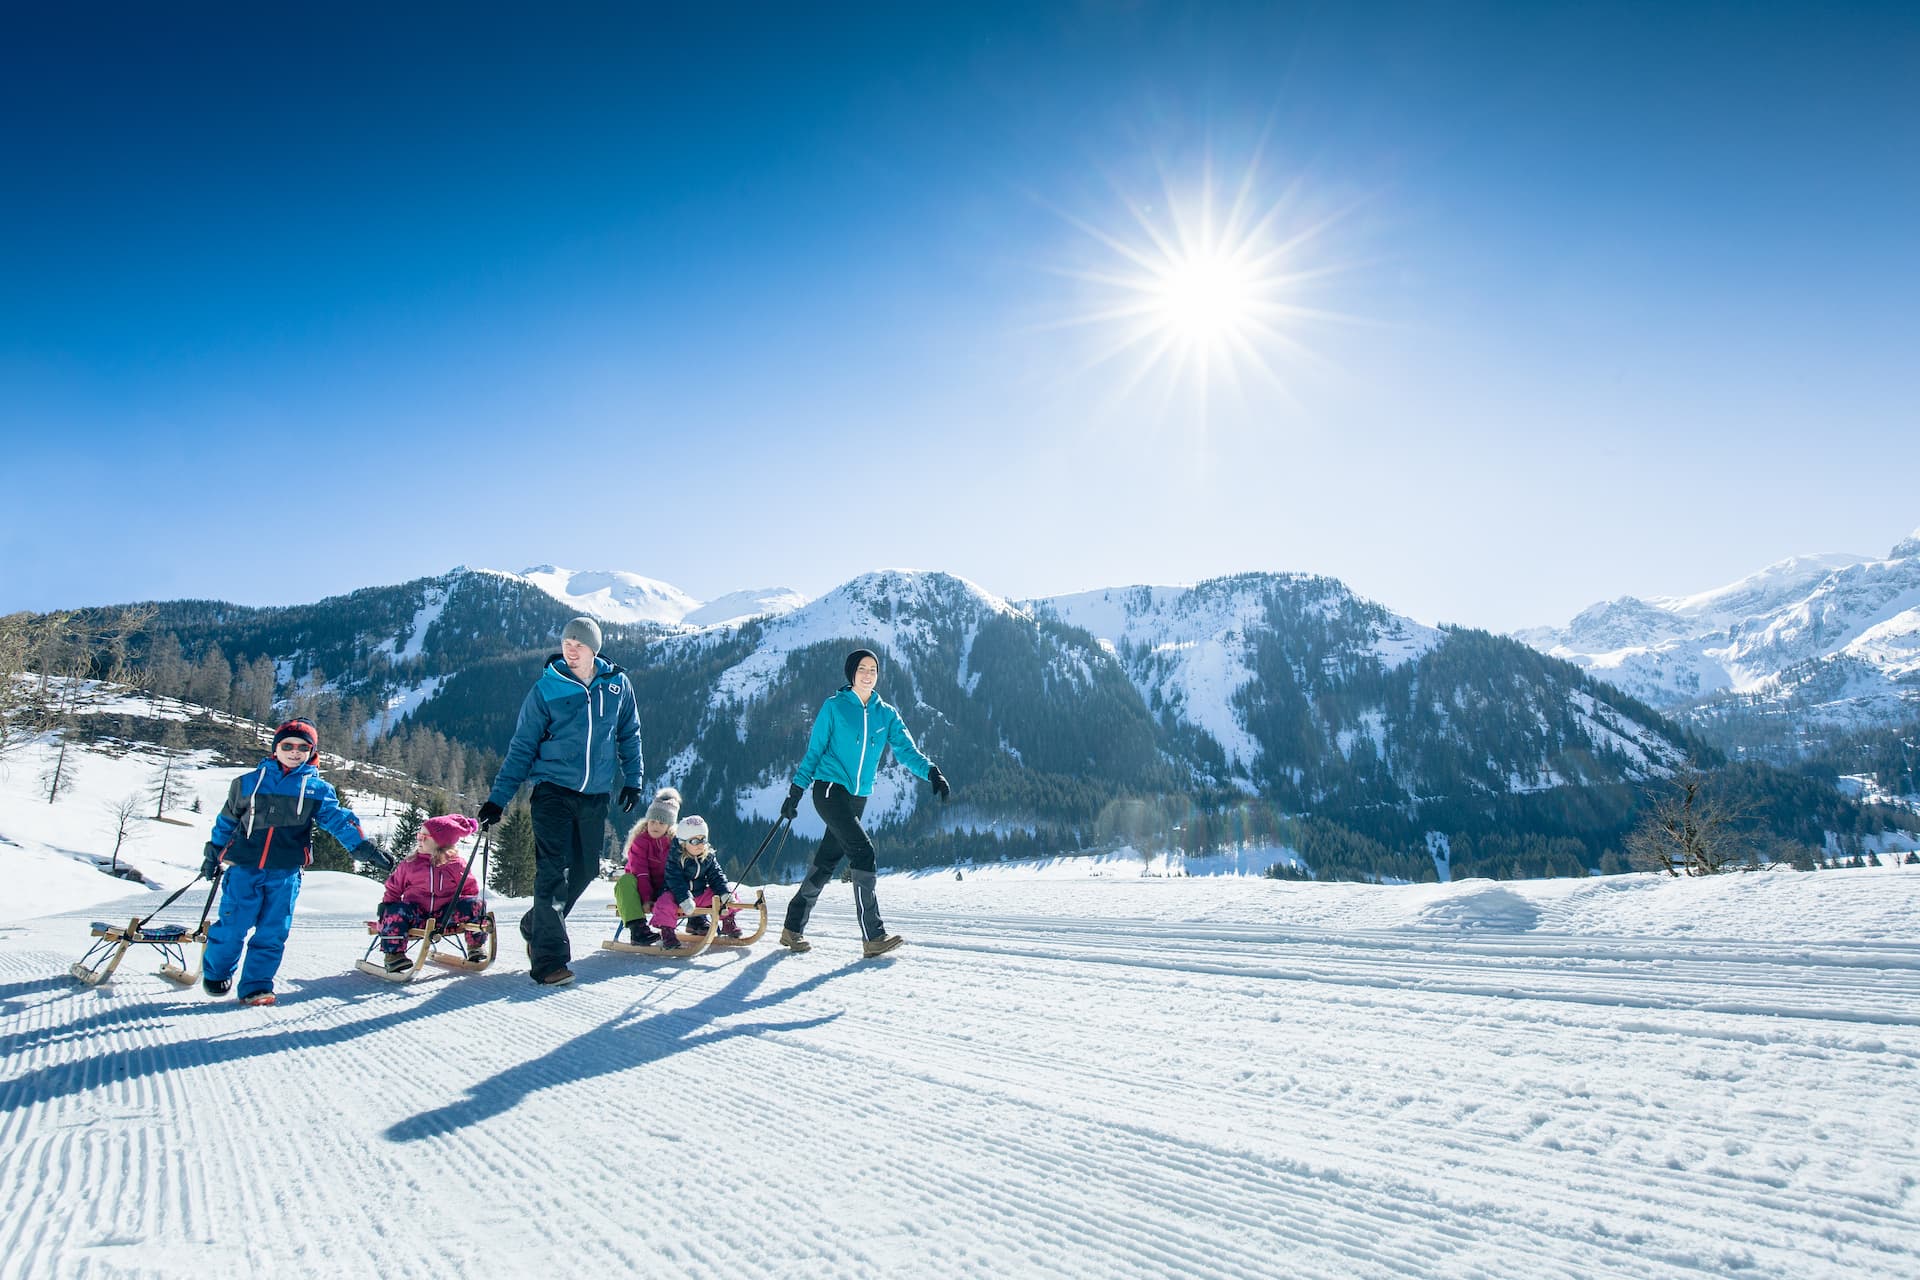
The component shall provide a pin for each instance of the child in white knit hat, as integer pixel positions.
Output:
(694, 879)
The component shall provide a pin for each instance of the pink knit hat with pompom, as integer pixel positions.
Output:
(449, 829)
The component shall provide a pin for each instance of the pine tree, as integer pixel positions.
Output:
(406, 831)
(512, 857)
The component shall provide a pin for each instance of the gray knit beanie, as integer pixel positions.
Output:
(585, 630)
(665, 807)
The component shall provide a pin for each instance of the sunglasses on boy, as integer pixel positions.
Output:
(294, 744)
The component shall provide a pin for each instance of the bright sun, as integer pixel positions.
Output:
(1201, 293)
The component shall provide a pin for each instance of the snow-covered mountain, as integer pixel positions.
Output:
(1281, 688)
(617, 596)
(1290, 684)
(1831, 639)
(1191, 648)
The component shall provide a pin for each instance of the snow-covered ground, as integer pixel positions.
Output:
(1105, 1076)
(1085, 1067)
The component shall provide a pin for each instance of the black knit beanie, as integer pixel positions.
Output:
(853, 662)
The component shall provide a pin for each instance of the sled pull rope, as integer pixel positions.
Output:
(446, 912)
(212, 887)
(778, 824)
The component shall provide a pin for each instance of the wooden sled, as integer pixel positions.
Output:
(111, 942)
(429, 942)
(691, 944)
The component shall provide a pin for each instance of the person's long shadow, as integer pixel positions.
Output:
(638, 1036)
(11, 993)
(248, 1037)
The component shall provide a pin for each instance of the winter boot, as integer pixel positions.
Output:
(793, 941)
(216, 986)
(258, 998)
(880, 946)
(397, 961)
(698, 926)
(638, 935)
(730, 929)
(669, 940)
(476, 953)
(556, 978)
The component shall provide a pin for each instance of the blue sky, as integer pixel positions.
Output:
(1580, 300)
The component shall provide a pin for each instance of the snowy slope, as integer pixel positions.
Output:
(627, 597)
(1235, 1078)
(1076, 1068)
(1831, 637)
(613, 595)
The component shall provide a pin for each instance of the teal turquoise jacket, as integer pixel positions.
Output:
(579, 736)
(847, 740)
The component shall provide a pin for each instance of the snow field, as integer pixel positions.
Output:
(1103, 1078)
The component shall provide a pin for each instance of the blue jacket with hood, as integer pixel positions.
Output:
(268, 818)
(573, 734)
(848, 737)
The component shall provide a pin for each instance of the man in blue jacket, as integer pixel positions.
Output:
(851, 730)
(578, 728)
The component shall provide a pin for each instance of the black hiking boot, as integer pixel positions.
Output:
(669, 940)
(216, 986)
(397, 960)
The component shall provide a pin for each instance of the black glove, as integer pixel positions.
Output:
(210, 862)
(790, 807)
(629, 797)
(939, 782)
(489, 814)
(373, 855)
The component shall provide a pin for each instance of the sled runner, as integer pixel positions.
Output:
(691, 943)
(173, 941)
(431, 941)
(440, 939)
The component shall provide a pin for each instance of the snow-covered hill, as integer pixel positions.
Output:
(1192, 648)
(616, 596)
(1309, 690)
(1820, 639)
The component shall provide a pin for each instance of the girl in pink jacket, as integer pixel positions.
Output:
(638, 892)
(422, 886)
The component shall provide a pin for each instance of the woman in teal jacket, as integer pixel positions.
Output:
(854, 726)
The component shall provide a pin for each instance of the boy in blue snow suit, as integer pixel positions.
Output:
(264, 835)
(578, 734)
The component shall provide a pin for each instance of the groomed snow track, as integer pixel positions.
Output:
(1125, 1096)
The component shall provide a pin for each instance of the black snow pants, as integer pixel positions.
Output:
(840, 809)
(568, 831)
